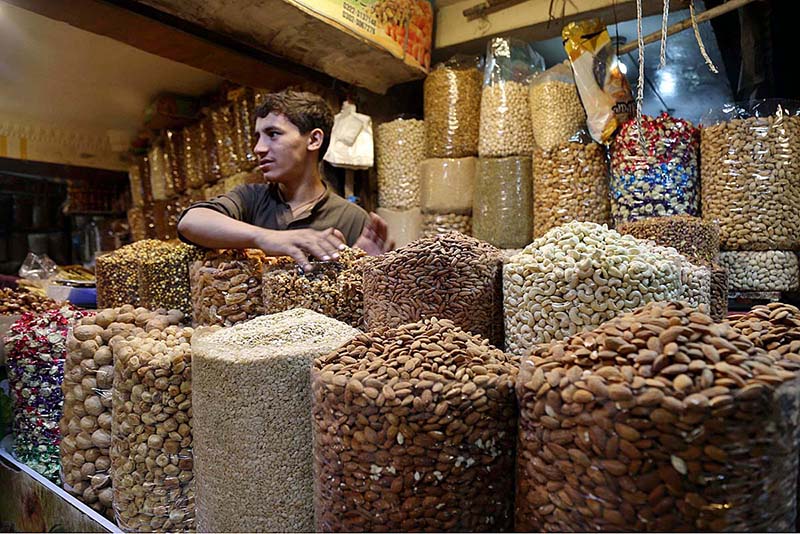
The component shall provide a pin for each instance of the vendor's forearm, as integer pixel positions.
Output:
(211, 229)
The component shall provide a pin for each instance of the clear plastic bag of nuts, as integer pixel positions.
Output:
(434, 224)
(570, 183)
(505, 120)
(452, 106)
(414, 430)
(557, 114)
(117, 272)
(751, 174)
(659, 420)
(656, 176)
(332, 288)
(400, 147)
(222, 123)
(502, 209)
(164, 279)
(404, 225)
(151, 436)
(226, 287)
(447, 185)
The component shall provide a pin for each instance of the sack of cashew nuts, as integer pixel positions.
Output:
(658, 420)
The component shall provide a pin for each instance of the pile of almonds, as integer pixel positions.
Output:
(414, 430)
(19, 301)
(657, 420)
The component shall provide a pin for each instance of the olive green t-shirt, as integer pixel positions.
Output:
(263, 205)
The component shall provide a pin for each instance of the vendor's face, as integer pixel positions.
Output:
(281, 149)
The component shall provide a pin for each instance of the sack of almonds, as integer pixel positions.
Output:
(226, 287)
(88, 380)
(151, 432)
(414, 430)
(451, 276)
(658, 420)
(164, 278)
(118, 272)
(251, 401)
(332, 288)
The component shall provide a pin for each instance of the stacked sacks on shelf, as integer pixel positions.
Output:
(414, 430)
(251, 403)
(657, 420)
(451, 276)
(36, 348)
(580, 275)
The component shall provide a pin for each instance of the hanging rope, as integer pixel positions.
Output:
(664, 20)
(699, 40)
(640, 84)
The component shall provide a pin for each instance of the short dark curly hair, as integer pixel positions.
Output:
(305, 110)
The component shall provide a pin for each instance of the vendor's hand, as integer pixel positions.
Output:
(324, 245)
(373, 239)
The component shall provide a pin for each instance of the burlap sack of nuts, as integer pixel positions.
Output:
(452, 276)
(659, 420)
(164, 278)
(151, 430)
(452, 107)
(118, 272)
(251, 401)
(334, 289)
(578, 276)
(570, 183)
(414, 430)
(751, 175)
(226, 287)
(86, 421)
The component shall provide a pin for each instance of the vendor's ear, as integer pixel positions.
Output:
(315, 139)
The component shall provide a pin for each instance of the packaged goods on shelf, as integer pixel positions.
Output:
(243, 128)
(173, 147)
(222, 124)
(557, 114)
(502, 209)
(452, 103)
(209, 158)
(20, 300)
(137, 189)
(719, 292)
(159, 173)
(505, 121)
(694, 425)
(151, 435)
(242, 178)
(193, 156)
(117, 272)
(751, 175)
(435, 224)
(452, 276)
(404, 225)
(579, 275)
(695, 238)
(570, 183)
(165, 222)
(36, 348)
(378, 468)
(447, 185)
(227, 287)
(400, 149)
(86, 421)
(251, 401)
(331, 288)
(762, 270)
(659, 175)
(164, 278)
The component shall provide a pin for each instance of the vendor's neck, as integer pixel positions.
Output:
(307, 186)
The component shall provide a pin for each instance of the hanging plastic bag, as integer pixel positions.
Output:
(351, 143)
(38, 269)
(604, 89)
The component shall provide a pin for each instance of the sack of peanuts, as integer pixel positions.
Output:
(226, 287)
(36, 348)
(557, 114)
(331, 288)
(658, 420)
(451, 276)
(502, 208)
(88, 380)
(400, 147)
(414, 430)
(658, 175)
(751, 174)
(505, 123)
(570, 183)
(251, 400)
(452, 107)
(151, 434)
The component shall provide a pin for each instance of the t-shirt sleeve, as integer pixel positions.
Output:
(236, 204)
